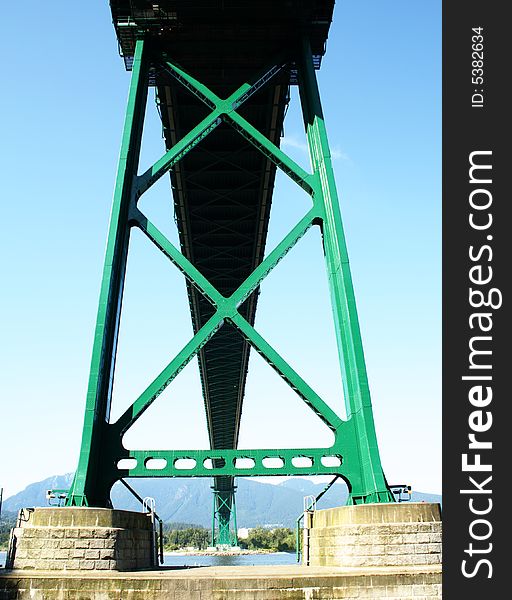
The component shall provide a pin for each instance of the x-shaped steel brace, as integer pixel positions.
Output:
(226, 308)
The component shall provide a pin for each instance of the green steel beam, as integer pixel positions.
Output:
(177, 152)
(354, 454)
(258, 462)
(165, 377)
(226, 307)
(348, 336)
(285, 371)
(227, 109)
(224, 527)
(271, 151)
(88, 485)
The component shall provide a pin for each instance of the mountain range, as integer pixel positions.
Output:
(189, 500)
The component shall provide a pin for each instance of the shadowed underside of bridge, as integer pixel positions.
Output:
(222, 195)
(223, 190)
(222, 72)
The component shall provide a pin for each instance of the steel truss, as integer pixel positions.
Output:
(354, 455)
(224, 527)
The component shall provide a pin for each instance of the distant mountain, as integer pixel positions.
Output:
(190, 500)
(35, 493)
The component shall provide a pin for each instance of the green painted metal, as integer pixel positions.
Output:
(224, 526)
(91, 482)
(372, 485)
(354, 455)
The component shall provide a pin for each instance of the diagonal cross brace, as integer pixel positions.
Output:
(226, 309)
(223, 110)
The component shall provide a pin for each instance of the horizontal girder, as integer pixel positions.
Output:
(234, 463)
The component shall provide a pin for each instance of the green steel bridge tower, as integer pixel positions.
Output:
(222, 72)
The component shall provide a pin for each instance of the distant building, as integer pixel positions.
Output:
(243, 533)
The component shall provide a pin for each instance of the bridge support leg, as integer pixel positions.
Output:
(354, 455)
(371, 486)
(224, 527)
(93, 478)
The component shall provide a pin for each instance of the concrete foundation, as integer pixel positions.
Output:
(63, 539)
(405, 534)
(227, 583)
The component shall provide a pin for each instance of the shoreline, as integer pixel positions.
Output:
(212, 552)
(219, 552)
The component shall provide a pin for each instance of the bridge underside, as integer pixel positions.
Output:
(222, 195)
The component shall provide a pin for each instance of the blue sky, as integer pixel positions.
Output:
(61, 118)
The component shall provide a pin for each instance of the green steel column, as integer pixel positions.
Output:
(224, 527)
(91, 485)
(371, 486)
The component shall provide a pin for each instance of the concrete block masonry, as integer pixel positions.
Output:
(63, 539)
(380, 535)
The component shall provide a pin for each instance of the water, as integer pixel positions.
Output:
(194, 560)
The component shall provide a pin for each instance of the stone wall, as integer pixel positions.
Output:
(381, 535)
(82, 539)
(225, 583)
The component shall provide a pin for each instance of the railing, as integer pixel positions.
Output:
(148, 504)
(401, 492)
(58, 495)
(23, 516)
(309, 507)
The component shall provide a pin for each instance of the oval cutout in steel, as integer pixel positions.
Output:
(219, 463)
(273, 462)
(302, 461)
(185, 463)
(331, 461)
(126, 464)
(244, 462)
(155, 464)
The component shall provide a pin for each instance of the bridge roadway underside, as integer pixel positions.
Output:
(220, 583)
(222, 190)
(222, 195)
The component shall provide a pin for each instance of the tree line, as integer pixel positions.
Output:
(280, 539)
(6, 524)
(190, 537)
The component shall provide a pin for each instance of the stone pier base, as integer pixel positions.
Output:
(63, 539)
(404, 534)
